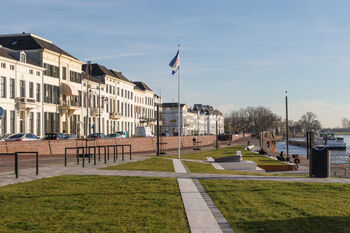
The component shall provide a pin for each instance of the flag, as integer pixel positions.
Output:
(175, 63)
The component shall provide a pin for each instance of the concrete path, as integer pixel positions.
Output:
(179, 168)
(215, 165)
(198, 214)
(57, 170)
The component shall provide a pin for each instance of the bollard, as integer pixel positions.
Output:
(123, 152)
(83, 157)
(77, 155)
(114, 153)
(130, 151)
(94, 155)
(65, 157)
(89, 155)
(99, 153)
(16, 164)
(105, 154)
(108, 152)
(37, 163)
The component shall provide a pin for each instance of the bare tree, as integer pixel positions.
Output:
(345, 123)
(309, 122)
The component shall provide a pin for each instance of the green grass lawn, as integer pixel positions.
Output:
(153, 164)
(93, 204)
(196, 167)
(274, 207)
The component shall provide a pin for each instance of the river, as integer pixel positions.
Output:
(336, 155)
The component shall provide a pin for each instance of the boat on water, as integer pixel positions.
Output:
(331, 141)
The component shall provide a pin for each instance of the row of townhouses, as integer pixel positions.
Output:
(44, 89)
(199, 120)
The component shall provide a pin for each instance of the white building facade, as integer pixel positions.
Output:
(201, 120)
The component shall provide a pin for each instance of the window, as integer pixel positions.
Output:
(107, 88)
(125, 93)
(22, 88)
(64, 73)
(51, 94)
(51, 122)
(51, 70)
(31, 122)
(113, 90)
(4, 123)
(31, 90)
(12, 88)
(38, 73)
(118, 91)
(38, 124)
(12, 121)
(31, 71)
(3, 65)
(22, 57)
(110, 89)
(75, 77)
(3, 87)
(38, 92)
(12, 67)
(122, 92)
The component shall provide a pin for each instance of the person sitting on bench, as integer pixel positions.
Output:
(280, 157)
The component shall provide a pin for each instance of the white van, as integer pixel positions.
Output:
(143, 131)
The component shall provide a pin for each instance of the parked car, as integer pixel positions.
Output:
(97, 135)
(121, 134)
(143, 131)
(54, 136)
(22, 137)
(166, 134)
(114, 135)
(3, 137)
(71, 136)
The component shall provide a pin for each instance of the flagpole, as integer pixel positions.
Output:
(178, 103)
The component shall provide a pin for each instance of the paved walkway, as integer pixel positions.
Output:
(198, 214)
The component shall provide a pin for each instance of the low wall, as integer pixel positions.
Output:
(139, 144)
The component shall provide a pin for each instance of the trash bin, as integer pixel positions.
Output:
(319, 163)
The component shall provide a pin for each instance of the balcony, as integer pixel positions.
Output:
(25, 104)
(69, 105)
(115, 115)
(96, 111)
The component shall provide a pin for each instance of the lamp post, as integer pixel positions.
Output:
(287, 134)
(216, 131)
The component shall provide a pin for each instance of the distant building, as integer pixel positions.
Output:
(200, 120)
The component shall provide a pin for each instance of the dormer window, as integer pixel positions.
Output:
(22, 57)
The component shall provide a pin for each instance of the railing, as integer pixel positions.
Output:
(16, 155)
(23, 100)
(70, 103)
(86, 152)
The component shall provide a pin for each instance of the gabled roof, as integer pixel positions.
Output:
(120, 75)
(28, 41)
(142, 86)
(101, 71)
(10, 54)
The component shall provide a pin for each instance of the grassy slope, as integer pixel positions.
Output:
(196, 167)
(93, 204)
(226, 151)
(257, 206)
(153, 164)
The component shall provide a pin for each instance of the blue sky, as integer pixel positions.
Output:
(233, 53)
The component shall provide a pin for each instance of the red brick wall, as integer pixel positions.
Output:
(139, 144)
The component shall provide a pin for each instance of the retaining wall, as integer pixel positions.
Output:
(139, 144)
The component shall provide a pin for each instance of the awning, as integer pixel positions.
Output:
(69, 90)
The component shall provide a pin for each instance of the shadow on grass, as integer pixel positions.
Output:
(307, 224)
